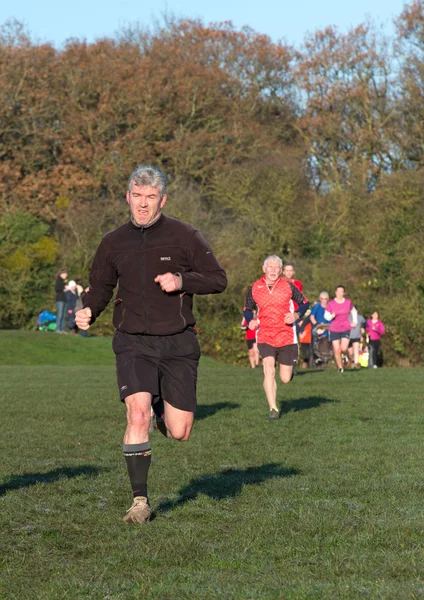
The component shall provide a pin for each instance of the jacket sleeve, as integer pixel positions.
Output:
(103, 279)
(206, 275)
(300, 299)
(249, 305)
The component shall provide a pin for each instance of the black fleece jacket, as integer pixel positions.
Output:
(133, 256)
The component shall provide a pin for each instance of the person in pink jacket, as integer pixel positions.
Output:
(375, 330)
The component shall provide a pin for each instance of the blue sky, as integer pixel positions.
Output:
(55, 21)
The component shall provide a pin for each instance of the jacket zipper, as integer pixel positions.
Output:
(181, 310)
(143, 277)
(123, 316)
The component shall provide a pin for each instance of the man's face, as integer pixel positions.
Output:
(323, 300)
(339, 293)
(145, 203)
(288, 272)
(272, 270)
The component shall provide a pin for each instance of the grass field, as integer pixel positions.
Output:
(326, 503)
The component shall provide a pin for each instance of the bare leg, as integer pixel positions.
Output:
(286, 373)
(344, 345)
(137, 454)
(337, 353)
(138, 418)
(355, 347)
(256, 354)
(270, 385)
(178, 422)
(252, 357)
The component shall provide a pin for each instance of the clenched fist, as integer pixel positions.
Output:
(169, 282)
(82, 318)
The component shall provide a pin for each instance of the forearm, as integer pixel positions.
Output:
(103, 279)
(248, 315)
(212, 282)
(302, 308)
(205, 275)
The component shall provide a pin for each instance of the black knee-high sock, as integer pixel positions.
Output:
(138, 458)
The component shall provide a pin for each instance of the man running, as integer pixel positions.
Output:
(289, 273)
(160, 263)
(273, 298)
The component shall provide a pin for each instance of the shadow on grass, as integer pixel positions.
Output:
(208, 410)
(28, 479)
(226, 484)
(305, 403)
(310, 371)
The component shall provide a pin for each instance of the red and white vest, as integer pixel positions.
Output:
(273, 305)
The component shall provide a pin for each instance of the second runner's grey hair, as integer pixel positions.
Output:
(148, 175)
(273, 257)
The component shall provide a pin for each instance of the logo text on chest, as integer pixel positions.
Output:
(165, 258)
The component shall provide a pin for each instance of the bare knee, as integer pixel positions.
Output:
(180, 433)
(137, 416)
(286, 378)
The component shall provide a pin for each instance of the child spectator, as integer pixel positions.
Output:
(71, 302)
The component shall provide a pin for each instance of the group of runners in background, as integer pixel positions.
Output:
(277, 320)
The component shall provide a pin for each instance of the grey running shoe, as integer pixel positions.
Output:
(139, 512)
(273, 415)
(340, 370)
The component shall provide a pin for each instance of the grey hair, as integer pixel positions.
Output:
(148, 175)
(273, 257)
(324, 295)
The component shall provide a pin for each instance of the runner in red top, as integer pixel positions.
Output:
(289, 272)
(273, 298)
(252, 346)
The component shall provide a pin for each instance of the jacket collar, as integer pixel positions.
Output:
(155, 225)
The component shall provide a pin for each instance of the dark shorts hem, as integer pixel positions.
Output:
(339, 335)
(285, 355)
(250, 343)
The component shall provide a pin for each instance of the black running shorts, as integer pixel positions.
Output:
(285, 355)
(163, 365)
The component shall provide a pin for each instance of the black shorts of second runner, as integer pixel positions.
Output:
(339, 335)
(163, 365)
(250, 343)
(285, 355)
(353, 340)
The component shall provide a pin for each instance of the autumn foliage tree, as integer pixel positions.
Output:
(305, 152)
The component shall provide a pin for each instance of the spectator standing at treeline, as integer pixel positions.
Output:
(71, 304)
(61, 304)
(375, 330)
